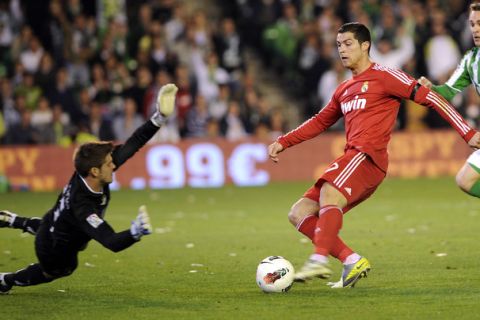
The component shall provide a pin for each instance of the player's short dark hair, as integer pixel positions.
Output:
(475, 6)
(91, 155)
(360, 32)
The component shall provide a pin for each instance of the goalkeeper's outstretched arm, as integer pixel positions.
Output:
(165, 106)
(101, 231)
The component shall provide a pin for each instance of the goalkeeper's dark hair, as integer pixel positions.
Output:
(360, 32)
(91, 155)
(475, 6)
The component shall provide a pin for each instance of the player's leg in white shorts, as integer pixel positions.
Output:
(468, 177)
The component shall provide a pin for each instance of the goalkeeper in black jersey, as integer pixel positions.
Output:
(79, 213)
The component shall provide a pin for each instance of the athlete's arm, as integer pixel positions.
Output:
(458, 81)
(97, 228)
(137, 140)
(431, 99)
(313, 126)
(107, 237)
(399, 84)
(274, 149)
(446, 91)
(165, 106)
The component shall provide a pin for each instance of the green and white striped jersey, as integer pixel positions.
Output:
(467, 72)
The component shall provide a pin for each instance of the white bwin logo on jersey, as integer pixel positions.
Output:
(355, 104)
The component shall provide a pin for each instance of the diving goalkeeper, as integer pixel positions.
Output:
(79, 213)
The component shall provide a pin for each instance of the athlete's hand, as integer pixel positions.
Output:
(165, 104)
(474, 142)
(273, 150)
(141, 225)
(425, 82)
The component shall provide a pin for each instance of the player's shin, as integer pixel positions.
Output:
(31, 225)
(30, 276)
(340, 250)
(12, 220)
(327, 228)
(307, 226)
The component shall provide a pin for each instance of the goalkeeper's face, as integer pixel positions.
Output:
(106, 170)
(474, 20)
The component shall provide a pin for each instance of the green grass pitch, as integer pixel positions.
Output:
(421, 237)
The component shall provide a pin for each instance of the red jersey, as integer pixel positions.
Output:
(369, 102)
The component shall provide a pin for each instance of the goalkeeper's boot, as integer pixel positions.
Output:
(352, 273)
(313, 269)
(6, 219)
(4, 287)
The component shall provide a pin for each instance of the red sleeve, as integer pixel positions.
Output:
(431, 99)
(397, 83)
(401, 85)
(313, 126)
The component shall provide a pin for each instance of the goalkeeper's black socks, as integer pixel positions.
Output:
(30, 276)
(29, 225)
(19, 222)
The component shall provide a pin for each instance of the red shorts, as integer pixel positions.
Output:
(354, 174)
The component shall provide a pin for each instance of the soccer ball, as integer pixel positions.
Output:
(275, 274)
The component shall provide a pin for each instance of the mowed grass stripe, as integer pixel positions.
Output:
(421, 237)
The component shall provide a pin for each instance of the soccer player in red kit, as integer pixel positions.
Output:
(369, 103)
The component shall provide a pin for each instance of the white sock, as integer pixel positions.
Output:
(319, 258)
(353, 258)
(14, 216)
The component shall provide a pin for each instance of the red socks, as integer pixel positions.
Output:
(307, 226)
(326, 240)
(340, 250)
(328, 226)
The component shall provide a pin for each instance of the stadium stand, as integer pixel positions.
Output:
(74, 71)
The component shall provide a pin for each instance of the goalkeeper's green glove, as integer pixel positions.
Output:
(165, 104)
(141, 225)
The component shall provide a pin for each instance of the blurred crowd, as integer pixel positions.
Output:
(73, 71)
(80, 70)
(296, 39)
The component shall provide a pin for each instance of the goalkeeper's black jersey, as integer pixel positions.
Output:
(78, 215)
